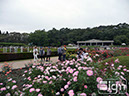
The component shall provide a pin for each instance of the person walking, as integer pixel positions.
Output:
(35, 54)
(60, 50)
(42, 54)
(48, 54)
(64, 52)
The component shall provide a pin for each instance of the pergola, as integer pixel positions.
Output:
(95, 42)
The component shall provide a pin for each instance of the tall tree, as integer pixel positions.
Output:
(39, 37)
(121, 39)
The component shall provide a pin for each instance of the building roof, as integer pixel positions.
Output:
(96, 41)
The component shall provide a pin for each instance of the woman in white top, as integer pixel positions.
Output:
(35, 53)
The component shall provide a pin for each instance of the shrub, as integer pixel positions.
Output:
(123, 60)
(15, 56)
(6, 68)
(71, 77)
(20, 56)
(12, 44)
(9, 88)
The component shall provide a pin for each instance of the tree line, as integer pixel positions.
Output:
(119, 33)
(14, 37)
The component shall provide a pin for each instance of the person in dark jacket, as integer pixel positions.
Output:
(60, 51)
(42, 54)
(64, 52)
(48, 54)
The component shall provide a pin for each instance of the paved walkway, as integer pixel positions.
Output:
(21, 63)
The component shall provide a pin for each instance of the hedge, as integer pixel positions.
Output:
(15, 56)
(12, 44)
(19, 56)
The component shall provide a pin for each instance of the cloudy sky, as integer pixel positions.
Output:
(30, 15)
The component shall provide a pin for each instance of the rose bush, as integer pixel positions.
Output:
(9, 88)
(68, 78)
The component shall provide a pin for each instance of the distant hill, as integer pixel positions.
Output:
(119, 33)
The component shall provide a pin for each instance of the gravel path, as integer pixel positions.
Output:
(21, 63)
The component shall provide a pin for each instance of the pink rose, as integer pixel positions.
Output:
(124, 69)
(40, 94)
(82, 94)
(44, 82)
(14, 86)
(50, 82)
(14, 81)
(106, 63)
(8, 94)
(127, 93)
(85, 86)
(122, 73)
(75, 79)
(47, 77)
(62, 89)
(66, 86)
(25, 71)
(71, 71)
(32, 89)
(68, 83)
(2, 89)
(89, 72)
(99, 79)
(71, 93)
(75, 73)
(37, 90)
(116, 61)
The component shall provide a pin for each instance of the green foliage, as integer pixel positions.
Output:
(14, 37)
(9, 88)
(12, 44)
(28, 65)
(71, 56)
(15, 56)
(121, 39)
(114, 53)
(77, 75)
(39, 37)
(6, 68)
(124, 61)
(119, 33)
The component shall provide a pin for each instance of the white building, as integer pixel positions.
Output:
(95, 42)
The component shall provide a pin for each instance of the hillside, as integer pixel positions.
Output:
(119, 33)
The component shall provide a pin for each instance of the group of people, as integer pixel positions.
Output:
(41, 54)
(62, 53)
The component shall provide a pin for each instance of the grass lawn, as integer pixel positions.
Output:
(124, 61)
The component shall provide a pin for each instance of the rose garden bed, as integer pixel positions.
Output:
(69, 78)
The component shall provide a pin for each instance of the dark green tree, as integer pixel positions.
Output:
(39, 37)
(121, 39)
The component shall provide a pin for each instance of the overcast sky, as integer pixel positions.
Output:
(30, 15)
